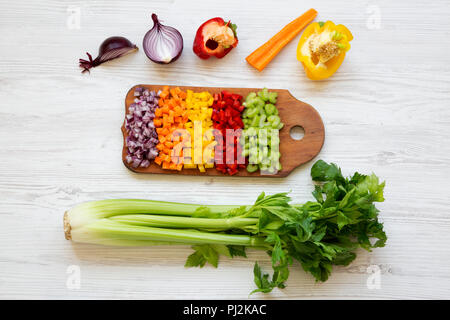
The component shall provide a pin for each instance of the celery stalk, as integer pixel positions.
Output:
(183, 222)
(93, 210)
(113, 230)
(131, 222)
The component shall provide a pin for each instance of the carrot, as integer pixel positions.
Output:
(169, 116)
(165, 93)
(265, 53)
(169, 144)
(157, 122)
(166, 165)
(165, 131)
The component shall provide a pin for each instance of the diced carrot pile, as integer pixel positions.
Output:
(170, 117)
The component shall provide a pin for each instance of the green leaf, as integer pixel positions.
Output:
(317, 193)
(284, 213)
(275, 224)
(326, 250)
(323, 271)
(322, 171)
(370, 185)
(304, 229)
(277, 199)
(276, 204)
(346, 201)
(203, 253)
(272, 238)
(344, 258)
(365, 202)
(319, 234)
(280, 275)
(237, 251)
(195, 260)
(264, 220)
(260, 197)
(357, 178)
(375, 230)
(261, 280)
(258, 275)
(204, 212)
(345, 218)
(321, 23)
(235, 212)
(277, 253)
(222, 249)
(332, 192)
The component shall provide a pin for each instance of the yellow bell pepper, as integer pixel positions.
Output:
(322, 48)
(199, 125)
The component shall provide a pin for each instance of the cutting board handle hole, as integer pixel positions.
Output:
(297, 132)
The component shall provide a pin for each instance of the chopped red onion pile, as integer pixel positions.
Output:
(142, 137)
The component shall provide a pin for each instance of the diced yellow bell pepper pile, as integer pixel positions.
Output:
(200, 153)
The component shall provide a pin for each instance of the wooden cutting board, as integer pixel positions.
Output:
(292, 112)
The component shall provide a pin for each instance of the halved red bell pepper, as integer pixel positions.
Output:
(215, 38)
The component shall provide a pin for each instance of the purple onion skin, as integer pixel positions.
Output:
(159, 29)
(111, 48)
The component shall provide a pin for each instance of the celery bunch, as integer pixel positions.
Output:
(318, 234)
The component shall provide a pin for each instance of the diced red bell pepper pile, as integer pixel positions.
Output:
(227, 110)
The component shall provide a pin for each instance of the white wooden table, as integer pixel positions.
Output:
(386, 111)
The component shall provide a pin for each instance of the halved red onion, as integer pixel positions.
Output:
(111, 48)
(162, 44)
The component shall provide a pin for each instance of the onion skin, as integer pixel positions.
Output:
(111, 48)
(172, 38)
